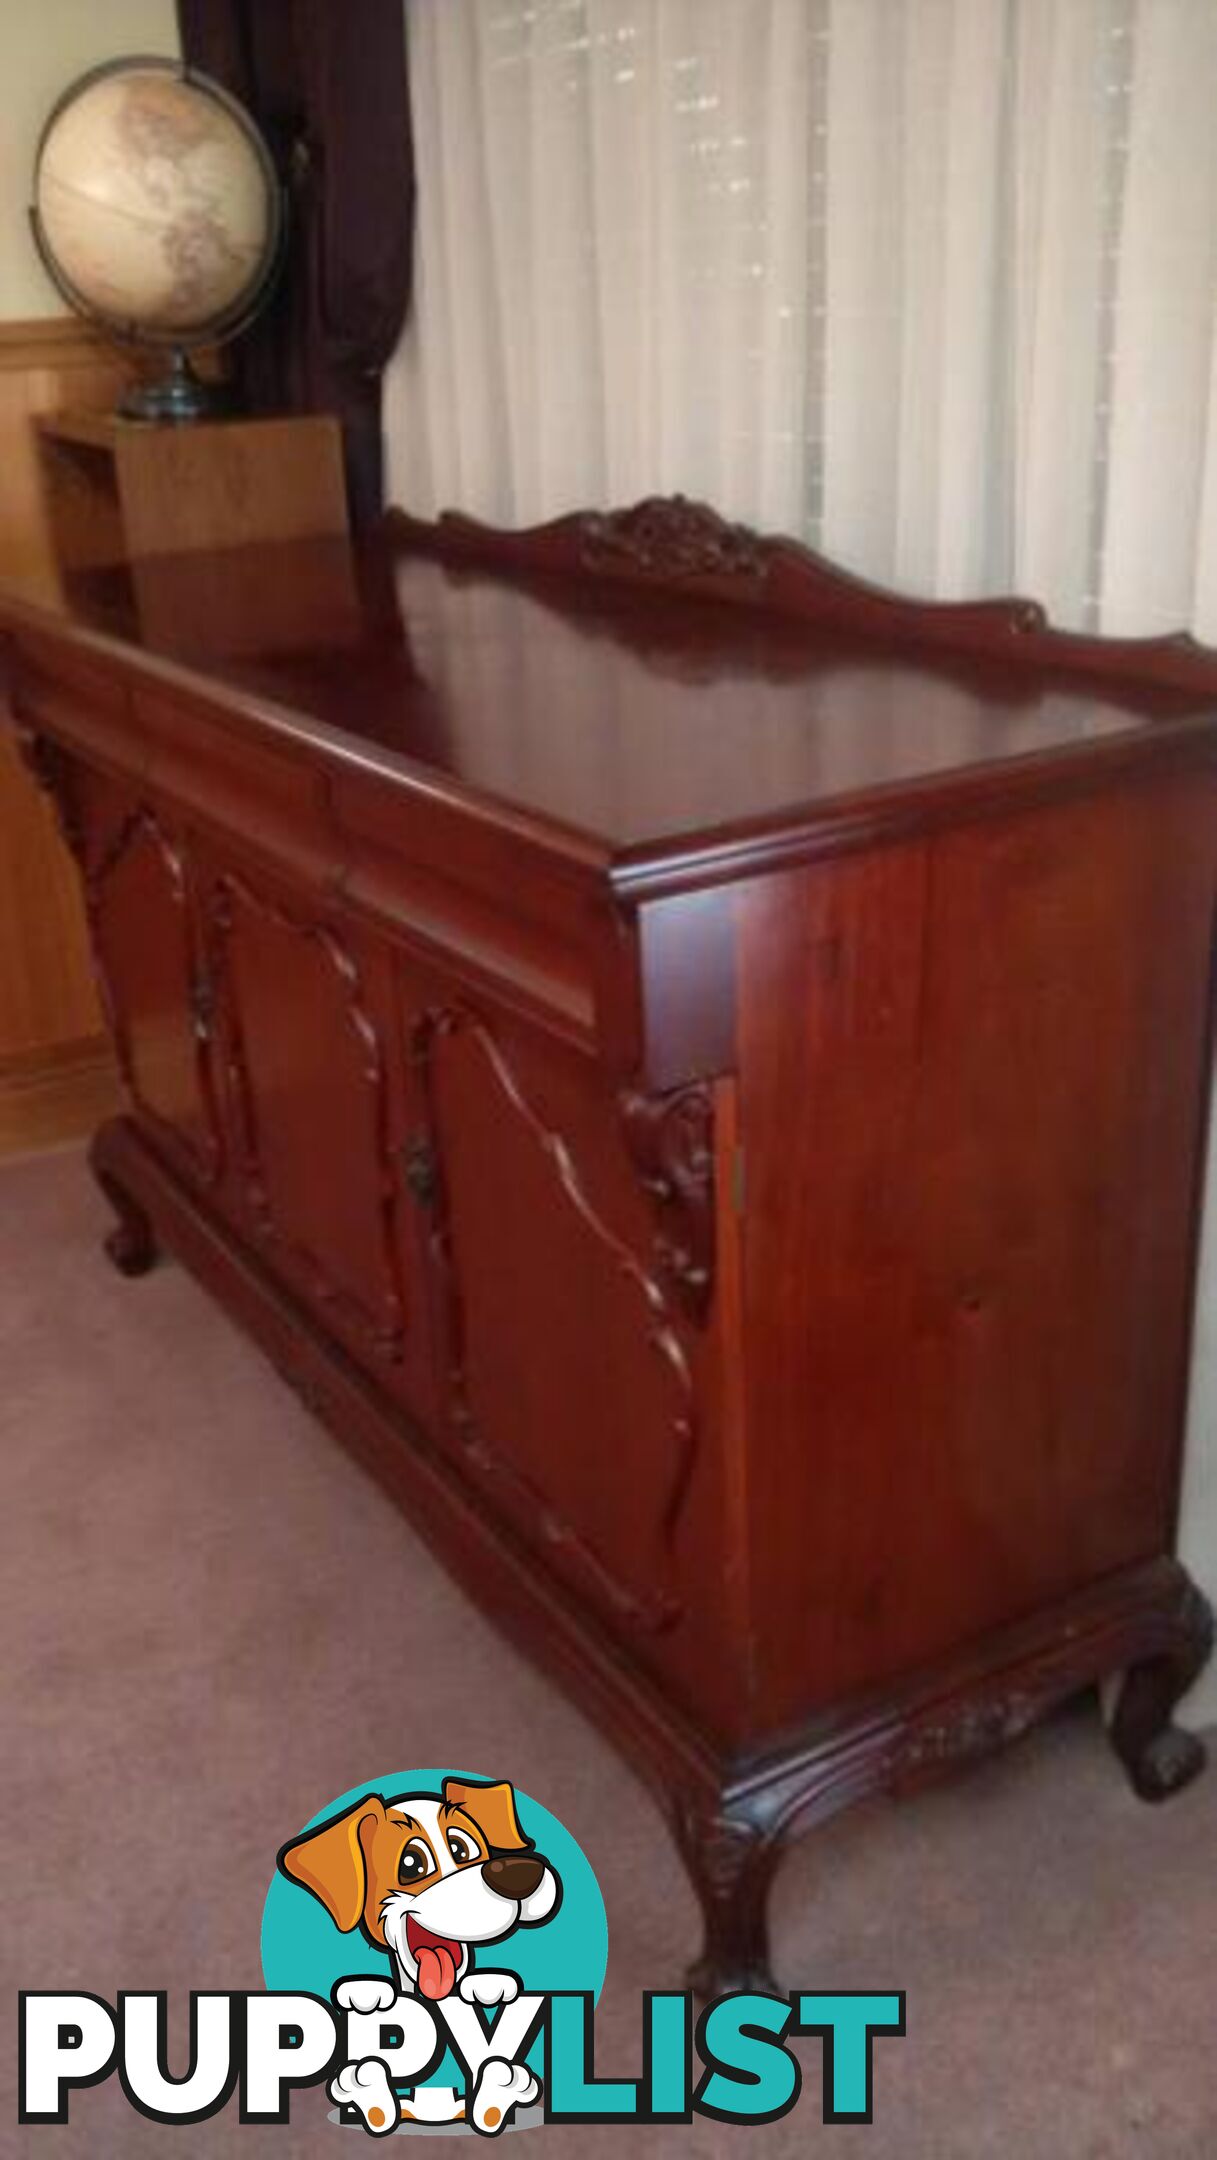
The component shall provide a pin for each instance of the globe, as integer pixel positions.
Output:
(158, 213)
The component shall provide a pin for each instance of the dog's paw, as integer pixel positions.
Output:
(367, 1996)
(365, 2085)
(489, 1987)
(501, 2086)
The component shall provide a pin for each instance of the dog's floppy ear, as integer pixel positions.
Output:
(330, 1861)
(493, 1809)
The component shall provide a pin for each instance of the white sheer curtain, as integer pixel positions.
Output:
(932, 283)
(613, 256)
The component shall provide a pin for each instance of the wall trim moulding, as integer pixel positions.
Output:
(54, 341)
(51, 1096)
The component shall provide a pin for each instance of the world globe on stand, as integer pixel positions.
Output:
(158, 214)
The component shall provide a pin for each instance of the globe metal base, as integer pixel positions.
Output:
(178, 396)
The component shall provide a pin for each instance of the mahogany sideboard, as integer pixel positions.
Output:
(697, 1069)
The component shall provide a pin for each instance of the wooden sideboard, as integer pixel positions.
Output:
(696, 1068)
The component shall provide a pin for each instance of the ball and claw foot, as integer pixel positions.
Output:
(132, 1250)
(131, 1245)
(1165, 1764)
(1159, 1757)
(709, 1979)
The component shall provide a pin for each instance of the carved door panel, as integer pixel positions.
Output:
(305, 1012)
(570, 1395)
(139, 889)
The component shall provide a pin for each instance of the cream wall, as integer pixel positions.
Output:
(44, 44)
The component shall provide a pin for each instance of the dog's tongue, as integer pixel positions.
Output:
(436, 1958)
(436, 1970)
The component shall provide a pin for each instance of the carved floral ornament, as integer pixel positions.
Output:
(671, 1141)
(671, 537)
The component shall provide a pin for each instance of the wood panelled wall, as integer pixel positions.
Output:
(56, 1075)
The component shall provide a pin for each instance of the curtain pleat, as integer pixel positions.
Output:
(612, 283)
(327, 83)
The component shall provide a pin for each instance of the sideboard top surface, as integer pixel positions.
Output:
(647, 714)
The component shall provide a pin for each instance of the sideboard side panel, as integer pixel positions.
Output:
(973, 1078)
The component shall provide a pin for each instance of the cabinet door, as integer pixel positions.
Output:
(305, 1012)
(139, 889)
(570, 1394)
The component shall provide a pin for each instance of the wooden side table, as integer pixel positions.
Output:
(133, 488)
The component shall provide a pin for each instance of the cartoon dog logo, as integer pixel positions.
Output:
(429, 1877)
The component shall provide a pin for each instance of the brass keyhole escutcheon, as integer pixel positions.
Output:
(420, 1170)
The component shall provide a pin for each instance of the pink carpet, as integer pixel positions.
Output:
(213, 1623)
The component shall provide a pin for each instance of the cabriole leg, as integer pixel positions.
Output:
(131, 1245)
(730, 1860)
(1159, 1757)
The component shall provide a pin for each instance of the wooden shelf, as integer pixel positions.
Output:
(125, 489)
(99, 430)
